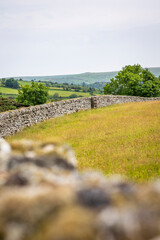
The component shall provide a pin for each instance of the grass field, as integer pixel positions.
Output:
(122, 139)
(24, 83)
(67, 93)
(8, 90)
(52, 91)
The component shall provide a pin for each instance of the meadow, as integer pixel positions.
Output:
(120, 139)
(6, 90)
(63, 93)
(60, 91)
(52, 91)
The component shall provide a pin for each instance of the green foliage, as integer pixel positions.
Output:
(134, 81)
(56, 95)
(63, 90)
(73, 95)
(34, 94)
(10, 83)
(3, 80)
(7, 104)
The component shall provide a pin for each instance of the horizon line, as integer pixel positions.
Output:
(19, 76)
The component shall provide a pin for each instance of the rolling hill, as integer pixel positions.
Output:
(87, 77)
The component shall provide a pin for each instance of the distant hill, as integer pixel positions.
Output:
(155, 71)
(87, 77)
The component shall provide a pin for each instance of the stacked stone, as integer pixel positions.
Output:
(16, 120)
(107, 100)
(43, 196)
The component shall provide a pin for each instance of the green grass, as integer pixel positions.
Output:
(52, 91)
(120, 139)
(56, 88)
(24, 83)
(8, 90)
(67, 93)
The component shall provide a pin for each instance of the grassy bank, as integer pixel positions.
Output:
(121, 139)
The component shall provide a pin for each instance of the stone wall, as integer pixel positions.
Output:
(16, 120)
(44, 197)
(106, 100)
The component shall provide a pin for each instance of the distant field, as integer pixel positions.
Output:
(121, 139)
(67, 93)
(55, 88)
(24, 82)
(60, 91)
(8, 90)
(52, 91)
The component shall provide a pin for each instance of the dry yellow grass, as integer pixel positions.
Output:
(121, 139)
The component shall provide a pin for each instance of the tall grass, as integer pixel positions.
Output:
(120, 139)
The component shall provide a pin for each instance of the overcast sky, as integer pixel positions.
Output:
(49, 37)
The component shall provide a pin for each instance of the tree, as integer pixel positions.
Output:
(11, 83)
(3, 82)
(56, 96)
(134, 81)
(34, 94)
(73, 95)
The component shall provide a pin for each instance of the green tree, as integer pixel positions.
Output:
(56, 96)
(134, 81)
(3, 82)
(11, 83)
(73, 95)
(34, 94)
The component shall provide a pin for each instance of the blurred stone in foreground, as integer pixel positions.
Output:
(44, 197)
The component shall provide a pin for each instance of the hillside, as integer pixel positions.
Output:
(120, 139)
(87, 77)
(62, 91)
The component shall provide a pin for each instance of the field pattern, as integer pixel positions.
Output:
(52, 91)
(67, 93)
(120, 139)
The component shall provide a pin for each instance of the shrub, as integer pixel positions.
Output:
(7, 104)
(34, 94)
(73, 95)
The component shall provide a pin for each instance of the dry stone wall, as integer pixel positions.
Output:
(16, 120)
(106, 100)
(44, 197)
